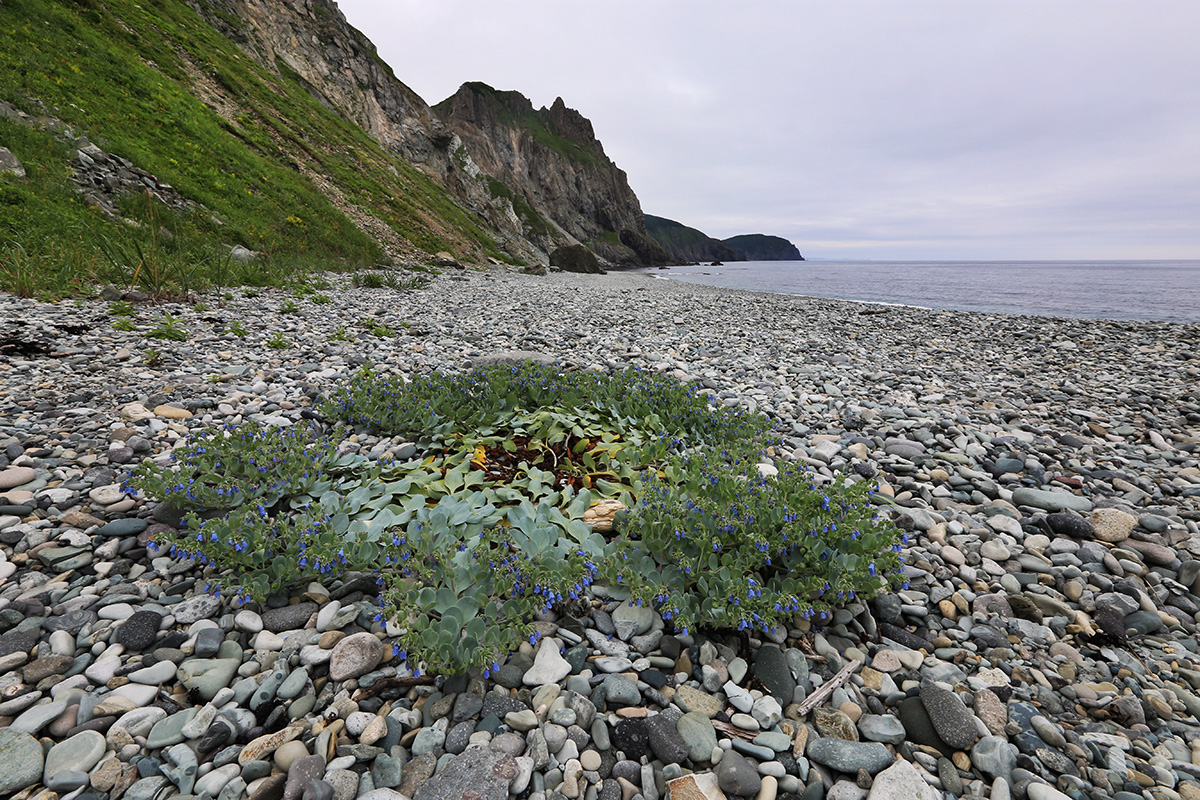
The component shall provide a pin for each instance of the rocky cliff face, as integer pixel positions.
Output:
(550, 160)
(343, 71)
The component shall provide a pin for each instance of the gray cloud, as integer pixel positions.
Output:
(923, 129)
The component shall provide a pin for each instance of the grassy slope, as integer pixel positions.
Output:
(671, 234)
(118, 72)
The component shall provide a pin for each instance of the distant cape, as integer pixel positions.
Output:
(761, 247)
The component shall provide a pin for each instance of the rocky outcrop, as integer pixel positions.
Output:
(761, 247)
(10, 164)
(688, 244)
(551, 160)
(575, 258)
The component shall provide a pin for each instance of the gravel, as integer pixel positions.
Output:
(1045, 470)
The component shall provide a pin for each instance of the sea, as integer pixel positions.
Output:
(1166, 291)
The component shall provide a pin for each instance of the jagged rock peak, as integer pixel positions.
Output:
(550, 160)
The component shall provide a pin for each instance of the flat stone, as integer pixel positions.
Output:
(34, 718)
(169, 730)
(12, 477)
(771, 667)
(1050, 501)
(698, 734)
(994, 756)
(883, 728)
(155, 675)
(193, 609)
(632, 619)
(951, 719)
(21, 761)
(691, 699)
(288, 618)
(80, 753)
(477, 774)
(207, 676)
(698, 786)
(130, 526)
(901, 781)
(618, 691)
(850, 757)
(548, 666)
(258, 749)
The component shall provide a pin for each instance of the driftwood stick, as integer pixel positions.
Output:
(733, 730)
(820, 695)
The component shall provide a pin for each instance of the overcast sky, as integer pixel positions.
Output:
(891, 130)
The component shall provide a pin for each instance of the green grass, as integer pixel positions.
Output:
(122, 73)
(608, 237)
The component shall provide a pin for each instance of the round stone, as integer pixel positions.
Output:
(139, 630)
(354, 655)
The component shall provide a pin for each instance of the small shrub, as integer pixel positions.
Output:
(404, 284)
(121, 308)
(169, 327)
(277, 341)
(368, 280)
(378, 329)
(124, 324)
(200, 308)
(288, 307)
(340, 335)
(321, 300)
(237, 329)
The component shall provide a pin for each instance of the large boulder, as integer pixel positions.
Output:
(9, 164)
(576, 258)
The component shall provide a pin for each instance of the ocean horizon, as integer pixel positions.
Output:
(1162, 291)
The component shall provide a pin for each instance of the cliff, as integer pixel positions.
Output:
(761, 247)
(275, 118)
(549, 162)
(688, 244)
(341, 68)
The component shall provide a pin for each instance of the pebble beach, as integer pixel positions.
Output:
(1046, 472)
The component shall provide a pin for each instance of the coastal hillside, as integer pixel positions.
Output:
(761, 247)
(688, 244)
(552, 167)
(257, 123)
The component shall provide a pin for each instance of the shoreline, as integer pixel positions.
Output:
(1046, 470)
(1106, 315)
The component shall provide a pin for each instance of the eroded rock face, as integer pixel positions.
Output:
(552, 159)
(340, 65)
